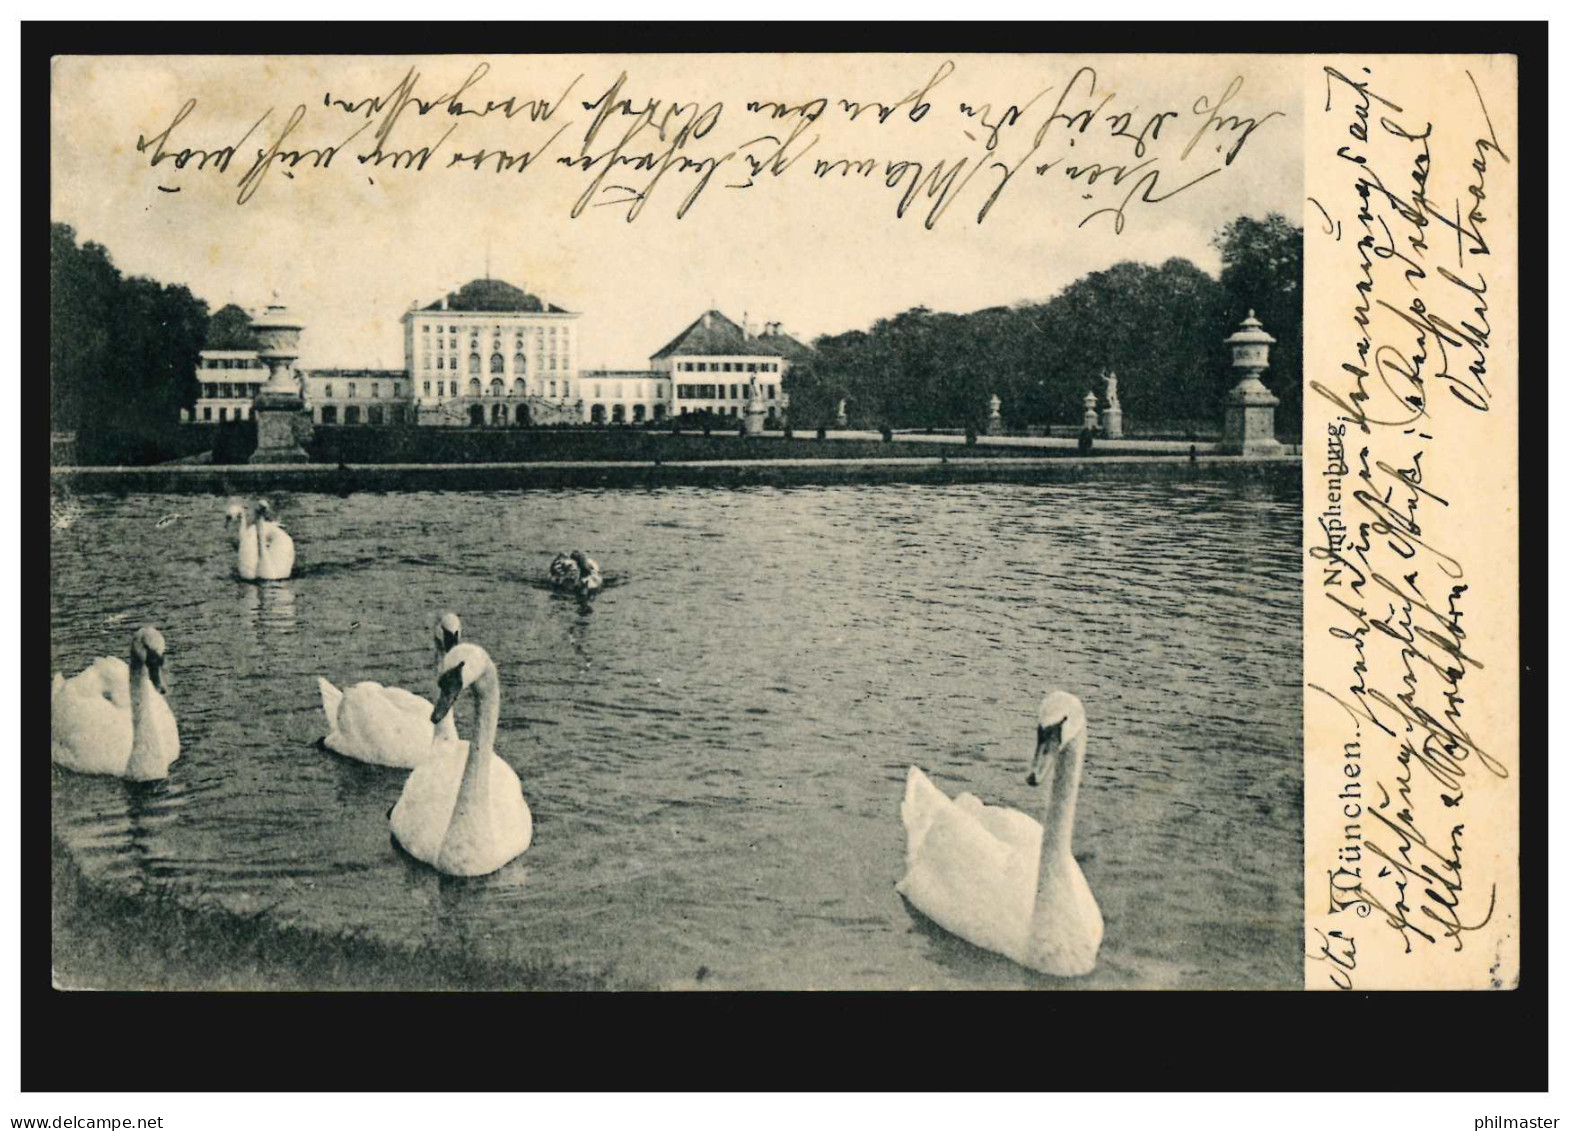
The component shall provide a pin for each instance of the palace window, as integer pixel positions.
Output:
(427, 388)
(326, 390)
(552, 388)
(207, 413)
(474, 387)
(519, 363)
(351, 390)
(566, 388)
(473, 363)
(497, 387)
(375, 388)
(618, 389)
(223, 414)
(498, 364)
(520, 388)
(329, 414)
(598, 392)
(397, 388)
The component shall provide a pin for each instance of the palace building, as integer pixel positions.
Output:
(230, 379)
(712, 364)
(490, 353)
(359, 396)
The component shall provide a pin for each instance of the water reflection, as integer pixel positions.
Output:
(269, 608)
(714, 758)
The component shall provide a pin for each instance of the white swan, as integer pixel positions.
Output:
(113, 719)
(266, 552)
(576, 571)
(462, 811)
(997, 878)
(388, 726)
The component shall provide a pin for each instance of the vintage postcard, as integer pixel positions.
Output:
(784, 521)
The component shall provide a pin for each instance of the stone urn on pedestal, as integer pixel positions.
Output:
(1091, 420)
(994, 417)
(279, 407)
(1250, 407)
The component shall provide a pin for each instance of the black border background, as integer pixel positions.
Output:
(1107, 1041)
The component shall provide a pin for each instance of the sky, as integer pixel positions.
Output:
(352, 244)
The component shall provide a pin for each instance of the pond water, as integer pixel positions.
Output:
(715, 755)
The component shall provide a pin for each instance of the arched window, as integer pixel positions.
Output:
(473, 363)
(519, 363)
(497, 387)
(474, 386)
(498, 364)
(520, 388)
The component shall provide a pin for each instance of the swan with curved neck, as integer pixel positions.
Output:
(462, 811)
(266, 552)
(388, 726)
(113, 718)
(1000, 879)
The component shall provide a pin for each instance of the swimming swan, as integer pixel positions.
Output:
(113, 719)
(388, 726)
(462, 811)
(266, 552)
(576, 571)
(995, 877)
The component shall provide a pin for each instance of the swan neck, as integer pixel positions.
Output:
(474, 792)
(1062, 799)
(487, 699)
(144, 756)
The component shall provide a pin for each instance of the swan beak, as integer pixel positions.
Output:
(449, 696)
(1048, 740)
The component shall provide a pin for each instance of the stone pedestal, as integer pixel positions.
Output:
(1250, 421)
(279, 407)
(278, 416)
(1111, 422)
(752, 419)
(1250, 407)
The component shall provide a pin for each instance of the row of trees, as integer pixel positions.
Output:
(122, 351)
(1160, 329)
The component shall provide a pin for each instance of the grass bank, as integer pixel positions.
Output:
(107, 939)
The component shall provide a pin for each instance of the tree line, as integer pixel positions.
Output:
(1162, 330)
(123, 350)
